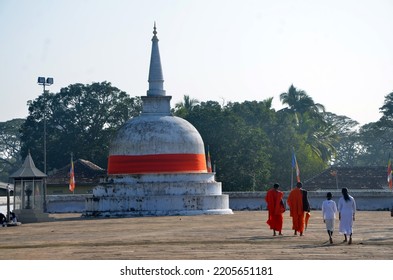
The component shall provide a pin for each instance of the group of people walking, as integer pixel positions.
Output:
(299, 208)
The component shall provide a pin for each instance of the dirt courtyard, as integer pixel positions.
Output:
(241, 236)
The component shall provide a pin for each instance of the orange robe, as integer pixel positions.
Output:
(275, 209)
(295, 203)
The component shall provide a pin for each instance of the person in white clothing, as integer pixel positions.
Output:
(346, 209)
(329, 210)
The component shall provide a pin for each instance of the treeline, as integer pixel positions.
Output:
(251, 144)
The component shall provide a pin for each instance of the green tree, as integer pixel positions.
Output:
(260, 118)
(347, 146)
(183, 108)
(384, 126)
(299, 102)
(238, 150)
(374, 145)
(315, 132)
(10, 146)
(387, 110)
(320, 136)
(80, 119)
(282, 138)
(375, 140)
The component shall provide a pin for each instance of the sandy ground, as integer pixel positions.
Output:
(241, 236)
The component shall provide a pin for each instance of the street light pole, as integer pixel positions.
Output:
(45, 82)
(8, 203)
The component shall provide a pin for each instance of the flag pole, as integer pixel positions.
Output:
(390, 182)
(293, 166)
(73, 170)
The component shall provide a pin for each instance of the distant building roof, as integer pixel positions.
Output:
(85, 172)
(28, 170)
(6, 185)
(353, 178)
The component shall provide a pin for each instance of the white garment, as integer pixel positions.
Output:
(329, 224)
(347, 209)
(329, 209)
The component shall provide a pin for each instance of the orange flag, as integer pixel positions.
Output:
(209, 163)
(72, 177)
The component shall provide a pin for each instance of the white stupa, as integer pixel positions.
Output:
(157, 163)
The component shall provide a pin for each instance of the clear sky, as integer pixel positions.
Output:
(339, 51)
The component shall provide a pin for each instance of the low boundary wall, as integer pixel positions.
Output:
(365, 200)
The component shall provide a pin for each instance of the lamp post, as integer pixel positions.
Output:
(8, 203)
(44, 82)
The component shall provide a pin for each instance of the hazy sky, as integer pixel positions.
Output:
(340, 52)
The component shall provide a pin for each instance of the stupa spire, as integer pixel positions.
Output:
(156, 79)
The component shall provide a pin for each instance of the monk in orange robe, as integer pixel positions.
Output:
(296, 208)
(275, 208)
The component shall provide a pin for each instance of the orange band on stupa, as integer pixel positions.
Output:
(162, 163)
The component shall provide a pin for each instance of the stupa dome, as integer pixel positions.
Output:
(157, 144)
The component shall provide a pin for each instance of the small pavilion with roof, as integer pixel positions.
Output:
(29, 193)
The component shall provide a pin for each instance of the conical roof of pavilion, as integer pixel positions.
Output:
(28, 170)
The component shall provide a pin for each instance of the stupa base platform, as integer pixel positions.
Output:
(158, 195)
(157, 206)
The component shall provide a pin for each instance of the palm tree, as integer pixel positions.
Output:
(300, 102)
(318, 135)
(183, 108)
